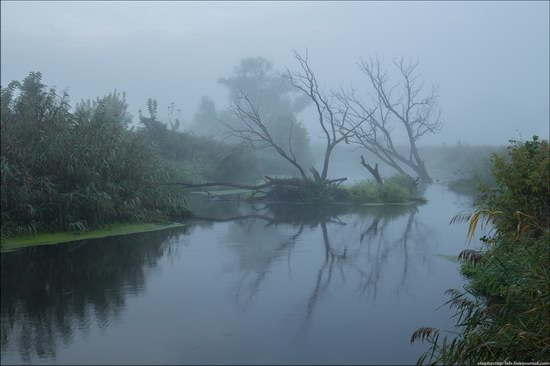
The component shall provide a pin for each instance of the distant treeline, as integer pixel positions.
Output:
(461, 165)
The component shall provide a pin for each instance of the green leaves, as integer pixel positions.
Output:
(503, 314)
(522, 184)
(70, 170)
(396, 189)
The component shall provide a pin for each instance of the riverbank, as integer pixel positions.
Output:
(18, 242)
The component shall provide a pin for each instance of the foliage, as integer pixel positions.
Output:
(278, 105)
(72, 170)
(396, 189)
(522, 184)
(206, 121)
(197, 158)
(392, 193)
(366, 191)
(504, 311)
(256, 78)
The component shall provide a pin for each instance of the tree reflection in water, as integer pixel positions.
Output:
(353, 238)
(95, 278)
(65, 290)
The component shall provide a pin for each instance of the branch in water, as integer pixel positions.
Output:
(269, 183)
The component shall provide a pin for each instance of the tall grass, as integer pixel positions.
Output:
(503, 313)
(71, 170)
(396, 189)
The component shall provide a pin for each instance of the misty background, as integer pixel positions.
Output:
(490, 59)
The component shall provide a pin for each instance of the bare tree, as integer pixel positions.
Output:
(255, 133)
(334, 118)
(403, 104)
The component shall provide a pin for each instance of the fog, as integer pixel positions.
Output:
(276, 180)
(490, 59)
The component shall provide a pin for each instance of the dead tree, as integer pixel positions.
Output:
(403, 105)
(275, 185)
(333, 116)
(255, 133)
(373, 171)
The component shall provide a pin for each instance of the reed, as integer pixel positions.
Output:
(503, 312)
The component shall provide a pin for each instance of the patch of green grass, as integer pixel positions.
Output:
(17, 242)
(396, 189)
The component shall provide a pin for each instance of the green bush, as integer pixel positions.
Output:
(393, 193)
(365, 192)
(504, 312)
(522, 184)
(396, 189)
(197, 159)
(71, 170)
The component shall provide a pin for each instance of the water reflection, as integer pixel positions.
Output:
(267, 283)
(51, 292)
(353, 240)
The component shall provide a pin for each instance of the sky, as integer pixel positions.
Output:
(490, 59)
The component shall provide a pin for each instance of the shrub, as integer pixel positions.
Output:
(522, 184)
(393, 193)
(504, 312)
(197, 158)
(65, 170)
(396, 189)
(365, 192)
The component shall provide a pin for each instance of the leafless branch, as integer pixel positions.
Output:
(404, 103)
(255, 133)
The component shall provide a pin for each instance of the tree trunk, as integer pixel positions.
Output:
(326, 161)
(373, 171)
(423, 172)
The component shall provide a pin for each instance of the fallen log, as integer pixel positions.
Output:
(296, 182)
(291, 189)
(270, 182)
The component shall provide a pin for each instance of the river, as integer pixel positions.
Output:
(269, 283)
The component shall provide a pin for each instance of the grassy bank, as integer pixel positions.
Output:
(18, 242)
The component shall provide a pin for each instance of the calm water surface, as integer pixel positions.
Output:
(249, 285)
